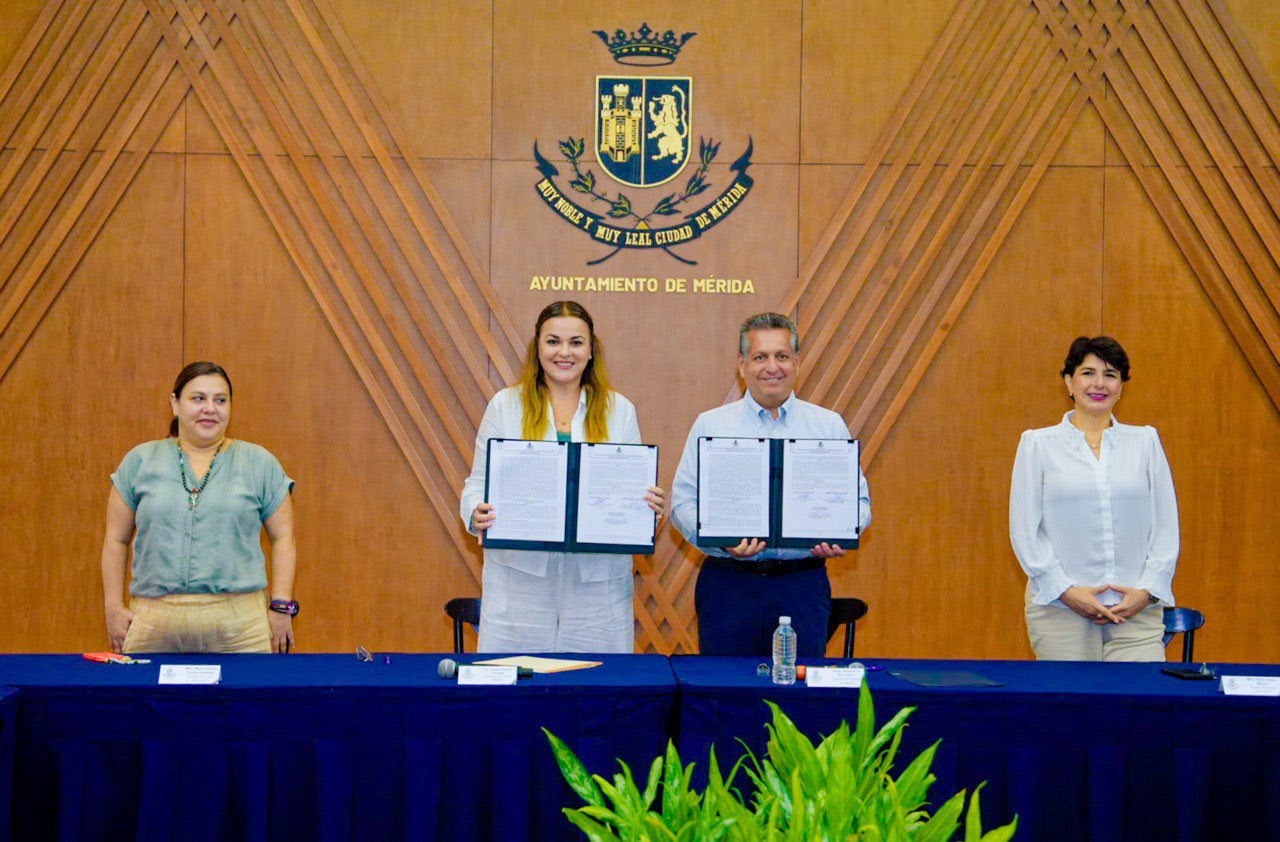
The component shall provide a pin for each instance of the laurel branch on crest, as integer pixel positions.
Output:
(584, 181)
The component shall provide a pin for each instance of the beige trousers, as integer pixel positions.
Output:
(1059, 634)
(199, 623)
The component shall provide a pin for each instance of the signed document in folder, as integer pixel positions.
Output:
(528, 487)
(733, 488)
(612, 482)
(820, 489)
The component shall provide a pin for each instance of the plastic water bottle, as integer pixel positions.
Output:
(784, 652)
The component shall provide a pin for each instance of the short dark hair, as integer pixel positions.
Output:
(1103, 347)
(767, 321)
(191, 372)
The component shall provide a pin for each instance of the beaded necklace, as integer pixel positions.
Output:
(193, 494)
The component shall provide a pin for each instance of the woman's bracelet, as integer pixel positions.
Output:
(284, 606)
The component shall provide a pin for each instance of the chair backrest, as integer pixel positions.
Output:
(462, 609)
(1182, 621)
(845, 611)
(1178, 620)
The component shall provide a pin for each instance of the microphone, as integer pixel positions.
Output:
(448, 668)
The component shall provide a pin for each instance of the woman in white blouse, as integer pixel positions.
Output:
(1094, 521)
(548, 601)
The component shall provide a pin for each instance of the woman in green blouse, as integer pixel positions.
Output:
(193, 506)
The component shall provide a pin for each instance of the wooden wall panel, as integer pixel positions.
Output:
(86, 388)
(1219, 430)
(337, 196)
(365, 537)
(936, 561)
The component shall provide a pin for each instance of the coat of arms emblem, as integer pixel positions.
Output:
(643, 138)
(642, 129)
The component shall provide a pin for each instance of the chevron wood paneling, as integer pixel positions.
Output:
(96, 89)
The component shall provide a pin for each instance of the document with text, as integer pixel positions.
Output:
(612, 482)
(819, 489)
(527, 484)
(790, 493)
(733, 489)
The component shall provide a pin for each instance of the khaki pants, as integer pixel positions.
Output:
(199, 623)
(1059, 634)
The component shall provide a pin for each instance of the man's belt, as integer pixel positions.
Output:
(766, 566)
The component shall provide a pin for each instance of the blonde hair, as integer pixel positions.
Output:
(534, 396)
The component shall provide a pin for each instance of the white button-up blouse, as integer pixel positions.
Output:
(503, 418)
(1076, 520)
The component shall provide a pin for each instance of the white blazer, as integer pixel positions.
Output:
(502, 419)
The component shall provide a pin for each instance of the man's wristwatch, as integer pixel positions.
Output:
(284, 606)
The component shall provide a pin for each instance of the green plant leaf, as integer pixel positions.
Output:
(604, 814)
(651, 786)
(798, 820)
(595, 832)
(888, 731)
(914, 782)
(839, 790)
(973, 820)
(610, 791)
(942, 825)
(655, 830)
(865, 729)
(1002, 834)
(577, 776)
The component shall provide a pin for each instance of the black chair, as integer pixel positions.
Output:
(1183, 621)
(845, 611)
(463, 609)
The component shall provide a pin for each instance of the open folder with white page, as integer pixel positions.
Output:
(571, 497)
(793, 493)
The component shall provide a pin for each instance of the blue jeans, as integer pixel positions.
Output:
(738, 611)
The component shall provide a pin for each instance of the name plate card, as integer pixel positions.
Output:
(834, 676)
(1251, 685)
(190, 673)
(486, 675)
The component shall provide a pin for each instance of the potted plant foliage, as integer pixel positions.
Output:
(841, 789)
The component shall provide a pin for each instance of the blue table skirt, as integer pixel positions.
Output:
(317, 747)
(8, 710)
(1077, 751)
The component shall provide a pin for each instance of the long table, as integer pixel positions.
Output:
(8, 713)
(325, 747)
(1075, 750)
(317, 747)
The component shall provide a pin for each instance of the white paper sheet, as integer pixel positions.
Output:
(820, 489)
(733, 488)
(527, 484)
(612, 481)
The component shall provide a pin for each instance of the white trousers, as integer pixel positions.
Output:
(522, 613)
(1059, 634)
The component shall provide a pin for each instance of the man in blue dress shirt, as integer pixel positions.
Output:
(743, 589)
